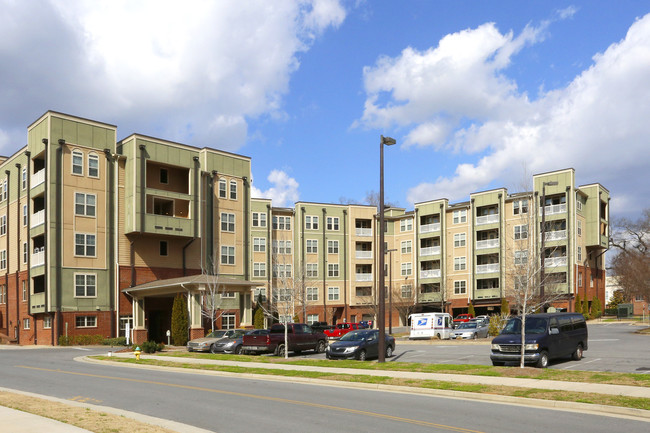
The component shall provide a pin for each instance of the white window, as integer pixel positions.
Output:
(26, 324)
(229, 295)
(233, 190)
(520, 282)
(311, 222)
(312, 246)
(460, 216)
(332, 269)
(460, 263)
(84, 245)
(3, 259)
(77, 163)
(5, 190)
(333, 293)
(579, 227)
(406, 225)
(579, 254)
(312, 269)
(521, 257)
(24, 287)
(407, 268)
(259, 219)
(223, 184)
(228, 321)
(3, 294)
(84, 204)
(521, 232)
(25, 252)
(163, 248)
(407, 291)
(93, 165)
(579, 279)
(86, 321)
(259, 294)
(259, 245)
(24, 214)
(332, 247)
(407, 247)
(311, 318)
(460, 287)
(3, 225)
(85, 286)
(520, 207)
(312, 293)
(227, 222)
(227, 255)
(47, 322)
(259, 269)
(281, 223)
(459, 240)
(24, 178)
(332, 223)
(579, 205)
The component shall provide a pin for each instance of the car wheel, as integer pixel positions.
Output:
(389, 351)
(438, 336)
(475, 336)
(280, 350)
(498, 363)
(213, 349)
(320, 346)
(542, 362)
(238, 350)
(577, 355)
(362, 355)
(327, 355)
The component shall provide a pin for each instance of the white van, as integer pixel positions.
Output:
(429, 325)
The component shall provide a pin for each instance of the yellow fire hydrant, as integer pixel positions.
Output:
(137, 353)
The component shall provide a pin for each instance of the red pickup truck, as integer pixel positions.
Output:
(341, 329)
(300, 337)
(461, 318)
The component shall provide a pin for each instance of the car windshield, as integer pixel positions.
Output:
(467, 325)
(216, 334)
(355, 336)
(534, 325)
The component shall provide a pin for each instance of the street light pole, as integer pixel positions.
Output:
(381, 320)
(543, 240)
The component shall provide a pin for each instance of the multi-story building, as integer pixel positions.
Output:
(98, 236)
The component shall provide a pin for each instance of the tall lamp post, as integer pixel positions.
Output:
(381, 320)
(390, 290)
(543, 240)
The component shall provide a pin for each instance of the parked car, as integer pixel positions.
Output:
(231, 343)
(470, 330)
(361, 345)
(547, 336)
(204, 344)
(300, 337)
(481, 320)
(321, 326)
(341, 329)
(366, 324)
(462, 318)
(484, 318)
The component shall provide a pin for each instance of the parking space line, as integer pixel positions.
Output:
(582, 363)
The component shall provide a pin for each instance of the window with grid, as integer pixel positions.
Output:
(259, 245)
(84, 204)
(24, 179)
(459, 216)
(333, 294)
(312, 246)
(85, 286)
(407, 291)
(3, 225)
(26, 324)
(25, 215)
(228, 321)
(233, 190)
(259, 219)
(77, 163)
(520, 207)
(84, 245)
(521, 257)
(86, 321)
(521, 232)
(93, 165)
(259, 269)
(406, 225)
(332, 269)
(24, 287)
(311, 318)
(407, 247)
(312, 269)
(311, 222)
(223, 185)
(332, 223)
(3, 259)
(312, 293)
(332, 247)
(259, 294)
(407, 268)
(227, 255)
(459, 240)
(47, 322)
(460, 287)
(227, 222)
(460, 263)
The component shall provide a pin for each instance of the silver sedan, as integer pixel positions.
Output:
(470, 330)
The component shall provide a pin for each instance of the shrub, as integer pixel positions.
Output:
(585, 309)
(179, 321)
(505, 306)
(149, 347)
(119, 341)
(80, 340)
(497, 322)
(471, 311)
(578, 306)
(596, 309)
(258, 320)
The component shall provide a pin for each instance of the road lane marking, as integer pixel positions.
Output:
(591, 340)
(259, 397)
(581, 363)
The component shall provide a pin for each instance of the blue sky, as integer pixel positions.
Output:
(476, 93)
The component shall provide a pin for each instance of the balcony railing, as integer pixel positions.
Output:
(429, 251)
(428, 228)
(430, 273)
(555, 235)
(553, 262)
(38, 257)
(487, 219)
(363, 254)
(363, 277)
(38, 178)
(38, 218)
(486, 269)
(487, 243)
(364, 232)
(553, 209)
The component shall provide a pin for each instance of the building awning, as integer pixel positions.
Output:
(199, 282)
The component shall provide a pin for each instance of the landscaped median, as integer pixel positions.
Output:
(620, 390)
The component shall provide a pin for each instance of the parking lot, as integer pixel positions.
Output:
(612, 347)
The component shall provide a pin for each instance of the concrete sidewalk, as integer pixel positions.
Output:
(16, 421)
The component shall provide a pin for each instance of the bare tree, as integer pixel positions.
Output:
(632, 263)
(213, 295)
(403, 301)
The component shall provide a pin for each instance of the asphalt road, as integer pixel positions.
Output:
(244, 405)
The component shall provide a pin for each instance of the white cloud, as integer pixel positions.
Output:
(597, 124)
(283, 193)
(197, 69)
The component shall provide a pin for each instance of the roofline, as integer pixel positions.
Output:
(68, 116)
(136, 135)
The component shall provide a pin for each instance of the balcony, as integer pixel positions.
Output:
(556, 235)
(38, 257)
(553, 209)
(38, 178)
(363, 255)
(364, 232)
(429, 251)
(38, 218)
(553, 262)
(430, 273)
(487, 219)
(429, 228)
(488, 243)
(487, 269)
(363, 277)
(430, 297)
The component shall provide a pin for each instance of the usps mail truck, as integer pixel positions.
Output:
(429, 325)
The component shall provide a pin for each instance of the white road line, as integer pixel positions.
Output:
(80, 348)
(582, 363)
(605, 339)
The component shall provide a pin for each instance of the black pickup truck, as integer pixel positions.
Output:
(300, 337)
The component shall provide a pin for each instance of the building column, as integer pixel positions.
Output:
(195, 318)
(245, 309)
(140, 333)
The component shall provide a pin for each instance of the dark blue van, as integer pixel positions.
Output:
(548, 336)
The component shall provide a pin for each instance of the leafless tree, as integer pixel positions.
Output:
(631, 264)
(213, 295)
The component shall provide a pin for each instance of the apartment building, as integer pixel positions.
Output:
(97, 236)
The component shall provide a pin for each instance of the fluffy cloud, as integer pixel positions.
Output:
(457, 97)
(283, 193)
(196, 69)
